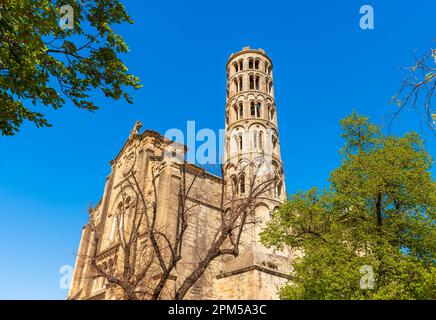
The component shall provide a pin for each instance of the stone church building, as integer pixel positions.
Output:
(251, 134)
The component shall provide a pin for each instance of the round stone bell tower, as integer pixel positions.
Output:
(252, 155)
(251, 118)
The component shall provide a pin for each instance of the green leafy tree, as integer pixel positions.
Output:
(376, 222)
(49, 54)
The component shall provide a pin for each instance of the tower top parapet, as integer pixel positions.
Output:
(248, 49)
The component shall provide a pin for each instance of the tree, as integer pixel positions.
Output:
(149, 254)
(418, 88)
(42, 64)
(374, 227)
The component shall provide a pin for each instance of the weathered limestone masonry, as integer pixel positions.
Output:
(251, 133)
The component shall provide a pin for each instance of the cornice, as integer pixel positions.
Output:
(248, 92)
(260, 52)
(252, 121)
(240, 156)
(237, 74)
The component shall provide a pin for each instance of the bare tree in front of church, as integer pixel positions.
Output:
(149, 254)
(236, 213)
(129, 273)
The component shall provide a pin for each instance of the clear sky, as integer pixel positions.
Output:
(325, 66)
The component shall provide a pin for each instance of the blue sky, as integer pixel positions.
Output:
(325, 66)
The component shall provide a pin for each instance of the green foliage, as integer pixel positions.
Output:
(379, 211)
(42, 65)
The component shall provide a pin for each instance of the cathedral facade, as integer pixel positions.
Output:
(252, 155)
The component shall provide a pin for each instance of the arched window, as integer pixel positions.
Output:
(251, 82)
(270, 87)
(240, 142)
(260, 140)
(256, 64)
(258, 107)
(274, 141)
(257, 82)
(271, 113)
(252, 109)
(235, 66)
(240, 84)
(241, 65)
(235, 110)
(255, 139)
(236, 85)
(250, 63)
(241, 110)
(266, 66)
(269, 70)
(242, 184)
